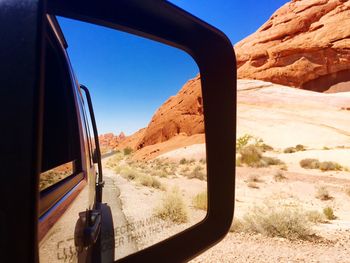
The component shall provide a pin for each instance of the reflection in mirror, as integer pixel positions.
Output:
(148, 107)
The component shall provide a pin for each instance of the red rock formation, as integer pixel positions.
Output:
(305, 43)
(109, 141)
(180, 114)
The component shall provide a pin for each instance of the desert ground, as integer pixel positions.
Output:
(272, 115)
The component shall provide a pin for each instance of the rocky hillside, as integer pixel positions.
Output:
(109, 141)
(305, 43)
(180, 114)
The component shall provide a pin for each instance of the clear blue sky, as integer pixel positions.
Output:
(130, 77)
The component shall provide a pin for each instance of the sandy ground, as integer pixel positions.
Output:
(140, 202)
(284, 117)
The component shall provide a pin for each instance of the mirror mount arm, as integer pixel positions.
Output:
(97, 153)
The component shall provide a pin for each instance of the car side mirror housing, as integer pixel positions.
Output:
(153, 19)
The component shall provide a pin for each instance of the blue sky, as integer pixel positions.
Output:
(130, 77)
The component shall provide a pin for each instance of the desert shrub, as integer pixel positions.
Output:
(203, 161)
(330, 166)
(286, 222)
(183, 161)
(326, 148)
(250, 155)
(200, 201)
(265, 147)
(197, 172)
(242, 142)
(127, 150)
(315, 217)
(279, 176)
(328, 212)
(117, 168)
(323, 194)
(145, 180)
(297, 148)
(310, 163)
(238, 162)
(185, 169)
(172, 208)
(300, 147)
(129, 173)
(149, 181)
(237, 225)
(271, 161)
(114, 160)
(289, 150)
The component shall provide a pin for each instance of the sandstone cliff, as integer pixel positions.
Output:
(180, 114)
(305, 43)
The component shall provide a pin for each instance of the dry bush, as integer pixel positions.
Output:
(198, 172)
(127, 150)
(265, 147)
(328, 212)
(200, 201)
(242, 142)
(330, 166)
(310, 163)
(237, 226)
(279, 176)
(114, 160)
(326, 148)
(300, 147)
(315, 217)
(250, 155)
(286, 222)
(172, 208)
(129, 173)
(289, 150)
(297, 148)
(203, 161)
(271, 161)
(150, 181)
(323, 194)
(183, 161)
(238, 162)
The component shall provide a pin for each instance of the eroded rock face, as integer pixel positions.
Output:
(180, 114)
(305, 43)
(109, 141)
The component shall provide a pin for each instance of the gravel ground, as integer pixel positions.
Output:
(239, 247)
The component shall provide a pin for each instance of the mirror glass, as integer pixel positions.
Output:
(149, 112)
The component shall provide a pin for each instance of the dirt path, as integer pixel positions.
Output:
(111, 195)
